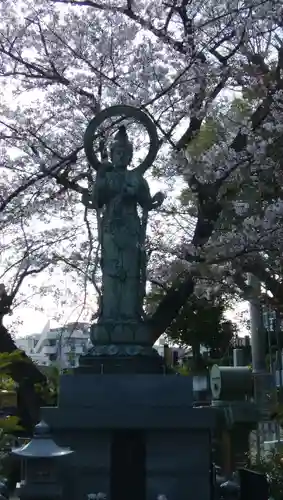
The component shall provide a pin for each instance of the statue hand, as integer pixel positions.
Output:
(157, 200)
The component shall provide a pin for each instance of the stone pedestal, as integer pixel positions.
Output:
(135, 436)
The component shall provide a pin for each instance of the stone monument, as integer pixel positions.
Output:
(131, 424)
(121, 332)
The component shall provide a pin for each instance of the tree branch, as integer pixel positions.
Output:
(205, 225)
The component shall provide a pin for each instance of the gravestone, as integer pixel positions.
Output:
(232, 391)
(253, 485)
(131, 424)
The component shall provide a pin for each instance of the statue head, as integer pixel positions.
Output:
(121, 150)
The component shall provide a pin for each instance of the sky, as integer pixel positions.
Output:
(34, 321)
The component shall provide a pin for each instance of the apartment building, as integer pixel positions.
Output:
(62, 346)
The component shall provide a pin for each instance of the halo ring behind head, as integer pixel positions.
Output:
(129, 112)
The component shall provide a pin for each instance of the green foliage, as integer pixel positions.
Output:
(272, 466)
(7, 359)
(200, 322)
(49, 392)
(205, 139)
(10, 424)
(183, 370)
(7, 441)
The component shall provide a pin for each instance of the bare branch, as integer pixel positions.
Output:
(68, 160)
(25, 274)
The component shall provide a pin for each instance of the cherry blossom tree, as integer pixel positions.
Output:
(62, 61)
(251, 215)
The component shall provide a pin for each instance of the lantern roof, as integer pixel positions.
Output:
(41, 445)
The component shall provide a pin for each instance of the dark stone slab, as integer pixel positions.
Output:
(130, 418)
(150, 364)
(96, 410)
(143, 390)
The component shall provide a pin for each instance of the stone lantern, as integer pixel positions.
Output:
(40, 461)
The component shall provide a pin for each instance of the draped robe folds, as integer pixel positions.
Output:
(122, 235)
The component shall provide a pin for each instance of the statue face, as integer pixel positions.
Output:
(120, 157)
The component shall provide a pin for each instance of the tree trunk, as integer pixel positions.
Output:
(169, 307)
(197, 357)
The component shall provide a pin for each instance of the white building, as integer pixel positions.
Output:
(61, 346)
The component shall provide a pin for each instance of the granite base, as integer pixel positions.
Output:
(164, 441)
